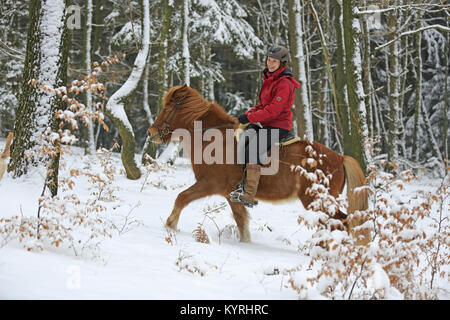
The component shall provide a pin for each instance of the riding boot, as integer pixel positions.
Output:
(250, 185)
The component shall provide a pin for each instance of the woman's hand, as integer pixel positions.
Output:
(243, 119)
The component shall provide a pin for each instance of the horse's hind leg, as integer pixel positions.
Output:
(241, 217)
(196, 191)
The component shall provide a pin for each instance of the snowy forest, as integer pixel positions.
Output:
(81, 81)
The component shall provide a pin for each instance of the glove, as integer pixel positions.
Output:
(243, 118)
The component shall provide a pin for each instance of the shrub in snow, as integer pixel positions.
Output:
(164, 174)
(200, 234)
(65, 219)
(230, 231)
(191, 264)
(409, 248)
(102, 185)
(61, 221)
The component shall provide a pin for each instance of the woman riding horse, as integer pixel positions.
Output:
(184, 107)
(273, 112)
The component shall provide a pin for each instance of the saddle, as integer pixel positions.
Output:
(290, 138)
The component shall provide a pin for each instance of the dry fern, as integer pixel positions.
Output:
(200, 234)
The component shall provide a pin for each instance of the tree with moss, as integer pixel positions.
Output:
(45, 64)
(115, 107)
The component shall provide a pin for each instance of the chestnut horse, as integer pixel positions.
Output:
(184, 105)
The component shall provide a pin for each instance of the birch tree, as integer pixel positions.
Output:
(90, 143)
(394, 86)
(185, 42)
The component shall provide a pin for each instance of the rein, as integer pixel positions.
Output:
(215, 127)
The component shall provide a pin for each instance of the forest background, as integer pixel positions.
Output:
(374, 74)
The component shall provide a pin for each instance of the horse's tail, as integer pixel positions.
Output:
(355, 178)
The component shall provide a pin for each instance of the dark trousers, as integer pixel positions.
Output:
(256, 143)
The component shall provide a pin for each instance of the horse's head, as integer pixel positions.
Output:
(169, 119)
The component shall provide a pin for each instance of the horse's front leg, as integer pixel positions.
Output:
(198, 190)
(241, 217)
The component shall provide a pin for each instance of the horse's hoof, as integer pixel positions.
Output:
(170, 229)
(245, 237)
(171, 226)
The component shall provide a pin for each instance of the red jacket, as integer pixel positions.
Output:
(275, 100)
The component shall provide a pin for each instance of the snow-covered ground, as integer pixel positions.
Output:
(145, 261)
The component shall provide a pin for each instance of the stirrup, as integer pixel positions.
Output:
(235, 195)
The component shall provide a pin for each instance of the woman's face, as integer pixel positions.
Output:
(272, 64)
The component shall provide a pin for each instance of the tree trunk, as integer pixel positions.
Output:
(445, 118)
(145, 104)
(90, 146)
(115, 107)
(163, 54)
(150, 148)
(341, 108)
(210, 78)
(37, 109)
(327, 60)
(417, 108)
(322, 92)
(404, 67)
(366, 77)
(25, 114)
(302, 109)
(432, 140)
(185, 41)
(355, 91)
(394, 75)
(59, 104)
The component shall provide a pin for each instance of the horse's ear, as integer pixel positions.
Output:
(184, 86)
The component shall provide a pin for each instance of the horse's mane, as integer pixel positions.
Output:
(194, 106)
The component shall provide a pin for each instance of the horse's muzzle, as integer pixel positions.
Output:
(154, 135)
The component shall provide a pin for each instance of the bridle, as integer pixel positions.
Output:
(167, 121)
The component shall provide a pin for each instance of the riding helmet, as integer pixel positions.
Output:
(279, 53)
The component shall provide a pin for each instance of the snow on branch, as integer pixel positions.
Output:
(408, 33)
(115, 104)
(409, 6)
